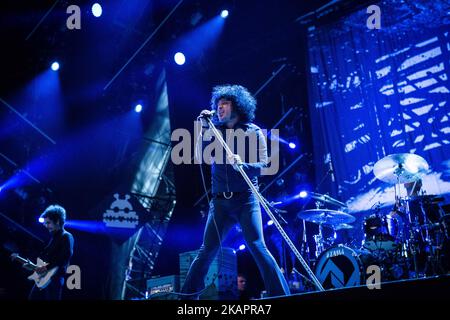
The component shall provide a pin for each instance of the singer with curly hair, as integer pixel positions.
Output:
(233, 108)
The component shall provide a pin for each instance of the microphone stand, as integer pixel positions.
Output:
(263, 203)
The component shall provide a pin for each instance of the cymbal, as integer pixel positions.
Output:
(326, 216)
(343, 226)
(327, 199)
(400, 168)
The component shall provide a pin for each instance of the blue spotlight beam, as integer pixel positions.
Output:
(143, 45)
(19, 226)
(29, 175)
(27, 121)
(42, 20)
(90, 226)
(204, 37)
(270, 79)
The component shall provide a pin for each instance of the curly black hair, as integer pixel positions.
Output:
(242, 100)
(55, 213)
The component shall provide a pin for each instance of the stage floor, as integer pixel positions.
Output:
(431, 288)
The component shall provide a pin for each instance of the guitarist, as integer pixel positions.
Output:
(57, 254)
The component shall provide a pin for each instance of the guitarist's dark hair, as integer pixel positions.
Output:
(56, 213)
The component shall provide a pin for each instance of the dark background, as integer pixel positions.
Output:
(93, 154)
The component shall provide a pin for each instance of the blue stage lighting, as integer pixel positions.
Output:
(138, 108)
(224, 13)
(97, 10)
(292, 145)
(179, 58)
(270, 222)
(55, 66)
(41, 220)
(242, 247)
(303, 194)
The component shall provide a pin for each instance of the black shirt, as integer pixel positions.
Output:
(224, 177)
(58, 251)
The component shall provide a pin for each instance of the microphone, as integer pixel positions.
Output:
(210, 115)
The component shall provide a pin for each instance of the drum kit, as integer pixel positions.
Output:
(405, 243)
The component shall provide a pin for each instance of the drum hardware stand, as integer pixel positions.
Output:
(305, 247)
(427, 222)
(412, 225)
(263, 203)
(318, 238)
(413, 249)
(430, 252)
(416, 232)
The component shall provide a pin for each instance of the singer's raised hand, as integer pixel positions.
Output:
(206, 113)
(202, 116)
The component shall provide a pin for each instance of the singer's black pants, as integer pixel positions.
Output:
(223, 215)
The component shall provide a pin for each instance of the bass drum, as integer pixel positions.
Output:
(341, 266)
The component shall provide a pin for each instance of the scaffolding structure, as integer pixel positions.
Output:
(149, 237)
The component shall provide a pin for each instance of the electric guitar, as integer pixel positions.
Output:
(41, 280)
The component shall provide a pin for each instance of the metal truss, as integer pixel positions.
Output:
(148, 240)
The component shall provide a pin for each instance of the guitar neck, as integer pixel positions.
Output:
(31, 266)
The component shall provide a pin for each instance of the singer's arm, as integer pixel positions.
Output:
(254, 168)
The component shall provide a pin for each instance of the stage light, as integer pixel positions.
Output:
(270, 222)
(303, 194)
(41, 220)
(138, 108)
(97, 10)
(179, 58)
(55, 66)
(224, 13)
(292, 145)
(242, 247)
